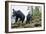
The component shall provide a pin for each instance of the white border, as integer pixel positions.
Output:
(25, 29)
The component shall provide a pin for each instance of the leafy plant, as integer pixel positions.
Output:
(36, 11)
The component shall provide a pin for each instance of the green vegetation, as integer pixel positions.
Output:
(36, 11)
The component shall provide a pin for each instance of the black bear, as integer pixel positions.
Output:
(18, 15)
(29, 18)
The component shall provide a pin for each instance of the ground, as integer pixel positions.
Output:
(36, 22)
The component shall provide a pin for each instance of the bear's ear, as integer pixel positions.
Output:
(12, 9)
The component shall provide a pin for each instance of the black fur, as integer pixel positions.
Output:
(29, 18)
(18, 15)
